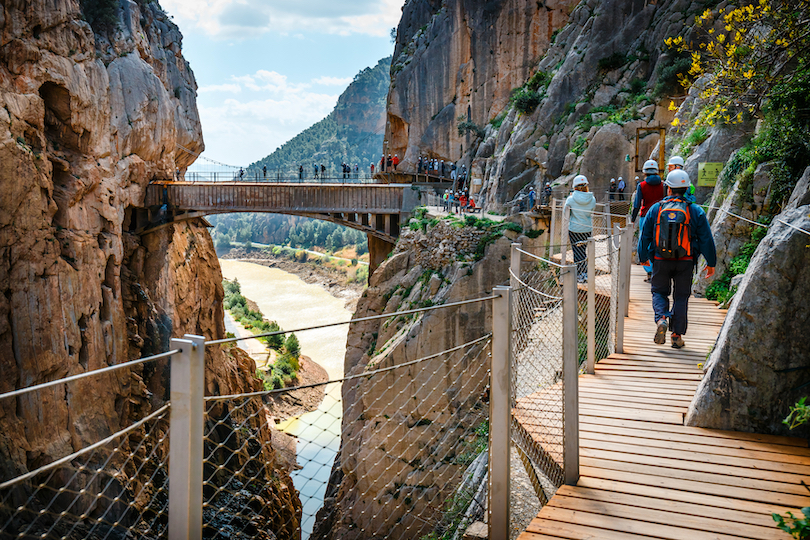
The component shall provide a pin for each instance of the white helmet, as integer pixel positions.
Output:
(678, 179)
(650, 166)
(580, 180)
(676, 160)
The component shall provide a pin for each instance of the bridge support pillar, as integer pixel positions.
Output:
(378, 250)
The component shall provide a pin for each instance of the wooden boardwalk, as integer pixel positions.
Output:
(644, 474)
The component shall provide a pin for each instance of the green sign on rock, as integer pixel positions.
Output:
(708, 173)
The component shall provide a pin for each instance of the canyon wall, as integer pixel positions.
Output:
(595, 67)
(409, 434)
(461, 58)
(88, 117)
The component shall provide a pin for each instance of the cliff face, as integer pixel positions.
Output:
(408, 434)
(87, 119)
(461, 58)
(602, 71)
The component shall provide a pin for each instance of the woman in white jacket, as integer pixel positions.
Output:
(580, 223)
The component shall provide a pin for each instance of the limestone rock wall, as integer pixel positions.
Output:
(463, 60)
(395, 469)
(87, 119)
(759, 367)
(460, 57)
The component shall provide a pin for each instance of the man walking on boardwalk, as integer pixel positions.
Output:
(675, 233)
(649, 192)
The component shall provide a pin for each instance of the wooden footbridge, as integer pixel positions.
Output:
(644, 474)
(375, 209)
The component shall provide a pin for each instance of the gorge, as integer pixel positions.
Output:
(523, 93)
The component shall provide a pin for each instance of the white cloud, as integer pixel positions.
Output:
(233, 19)
(246, 128)
(332, 81)
(232, 88)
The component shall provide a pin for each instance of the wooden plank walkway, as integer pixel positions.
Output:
(644, 474)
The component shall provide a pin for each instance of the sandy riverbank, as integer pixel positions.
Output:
(330, 280)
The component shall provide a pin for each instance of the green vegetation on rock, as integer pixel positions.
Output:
(285, 368)
(343, 136)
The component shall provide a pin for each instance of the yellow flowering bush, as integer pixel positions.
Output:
(748, 50)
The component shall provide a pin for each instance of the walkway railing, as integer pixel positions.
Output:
(422, 448)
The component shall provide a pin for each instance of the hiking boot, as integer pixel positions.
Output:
(677, 341)
(648, 278)
(582, 278)
(661, 331)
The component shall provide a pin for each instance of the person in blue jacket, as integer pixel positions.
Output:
(675, 274)
(580, 224)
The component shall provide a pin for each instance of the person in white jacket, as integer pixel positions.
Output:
(580, 223)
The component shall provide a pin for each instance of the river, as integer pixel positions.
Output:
(292, 303)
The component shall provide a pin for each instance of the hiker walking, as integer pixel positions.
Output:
(580, 224)
(620, 187)
(675, 233)
(264, 171)
(612, 192)
(649, 192)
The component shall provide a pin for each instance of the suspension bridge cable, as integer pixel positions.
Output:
(362, 319)
(350, 377)
(199, 155)
(88, 374)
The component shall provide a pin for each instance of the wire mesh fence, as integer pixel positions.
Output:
(115, 488)
(406, 459)
(537, 429)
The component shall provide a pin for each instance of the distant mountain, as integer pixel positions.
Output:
(352, 133)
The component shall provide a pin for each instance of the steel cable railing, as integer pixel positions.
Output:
(114, 488)
(109, 489)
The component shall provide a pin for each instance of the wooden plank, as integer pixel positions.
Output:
(641, 439)
(663, 512)
(606, 401)
(624, 525)
(653, 377)
(749, 511)
(715, 433)
(694, 483)
(786, 473)
(765, 490)
(577, 531)
(633, 414)
(590, 425)
(637, 394)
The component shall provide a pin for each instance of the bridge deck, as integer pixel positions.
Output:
(646, 475)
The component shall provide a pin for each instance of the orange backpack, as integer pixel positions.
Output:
(673, 229)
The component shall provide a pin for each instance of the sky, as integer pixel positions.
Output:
(268, 69)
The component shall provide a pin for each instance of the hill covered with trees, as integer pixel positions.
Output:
(352, 133)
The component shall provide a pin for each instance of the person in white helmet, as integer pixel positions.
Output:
(649, 192)
(676, 163)
(580, 224)
(620, 187)
(675, 233)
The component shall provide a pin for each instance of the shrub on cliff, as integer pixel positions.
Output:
(526, 100)
(101, 14)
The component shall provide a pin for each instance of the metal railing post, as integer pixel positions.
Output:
(565, 240)
(570, 377)
(500, 415)
(628, 262)
(186, 438)
(591, 362)
(624, 286)
(514, 265)
(553, 233)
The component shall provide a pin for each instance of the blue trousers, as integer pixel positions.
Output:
(672, 277)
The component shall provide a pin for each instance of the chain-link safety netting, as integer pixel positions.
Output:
(114, 488)
(537, 379)
(407, 459)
